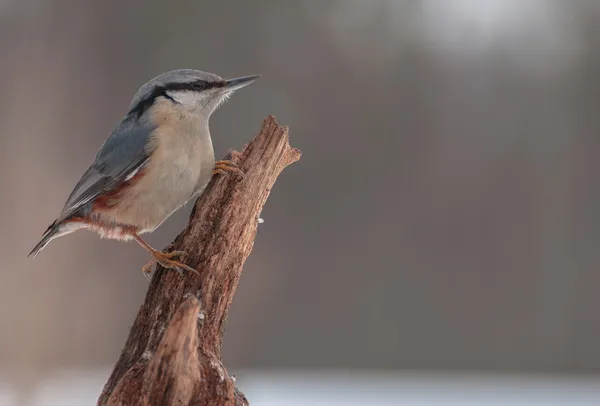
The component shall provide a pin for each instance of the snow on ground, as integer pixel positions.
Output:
(332, 388)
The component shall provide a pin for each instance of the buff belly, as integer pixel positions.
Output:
(179, 168)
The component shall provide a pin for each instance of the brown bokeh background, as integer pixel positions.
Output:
(444, 215)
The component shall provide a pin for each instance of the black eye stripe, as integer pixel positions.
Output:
(196, 85)
(158, 91)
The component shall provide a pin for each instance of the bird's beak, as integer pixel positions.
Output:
(238, 83)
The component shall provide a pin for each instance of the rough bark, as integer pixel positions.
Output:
(173, 353)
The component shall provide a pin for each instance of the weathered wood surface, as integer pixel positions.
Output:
(173, 357)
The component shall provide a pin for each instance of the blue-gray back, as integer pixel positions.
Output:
(124, 152)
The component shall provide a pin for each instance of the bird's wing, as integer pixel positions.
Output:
(122, 154)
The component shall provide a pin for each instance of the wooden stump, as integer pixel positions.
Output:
(173, 353)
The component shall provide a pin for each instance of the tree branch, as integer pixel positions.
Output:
(170, 357)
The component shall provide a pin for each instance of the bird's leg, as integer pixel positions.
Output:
(227, 166)
(163, 258)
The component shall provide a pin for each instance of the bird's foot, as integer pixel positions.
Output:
(227, 166)
(166, 260)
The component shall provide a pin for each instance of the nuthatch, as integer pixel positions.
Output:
(155, 160)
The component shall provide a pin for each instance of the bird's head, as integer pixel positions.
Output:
(193, 90)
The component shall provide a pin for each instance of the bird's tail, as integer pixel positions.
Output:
(54, 231)
(51, 233)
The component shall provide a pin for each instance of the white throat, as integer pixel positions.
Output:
(206, 102)
(188, 98)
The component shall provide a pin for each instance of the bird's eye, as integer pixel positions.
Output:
(198, 85)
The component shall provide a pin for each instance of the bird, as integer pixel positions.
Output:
(157, 158)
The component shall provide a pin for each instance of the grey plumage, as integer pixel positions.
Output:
(124, 152)
(50, 233)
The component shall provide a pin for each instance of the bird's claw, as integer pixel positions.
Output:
(165, 259)
(227, 166)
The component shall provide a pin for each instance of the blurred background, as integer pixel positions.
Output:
(437, 242)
